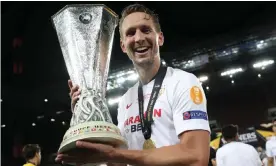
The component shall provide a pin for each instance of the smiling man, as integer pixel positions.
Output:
(164, 116)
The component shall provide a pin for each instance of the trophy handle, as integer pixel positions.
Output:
(90, 107)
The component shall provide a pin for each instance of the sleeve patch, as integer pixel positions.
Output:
(196, 95)
(195, 114)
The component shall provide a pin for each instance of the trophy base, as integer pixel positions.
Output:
(95, 132)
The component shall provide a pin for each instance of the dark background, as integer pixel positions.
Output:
(33, 68)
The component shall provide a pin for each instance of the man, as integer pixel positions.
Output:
(235, 153)
(32, 154)
(179, 134)
(271, 147)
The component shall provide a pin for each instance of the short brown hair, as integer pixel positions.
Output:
(29, 151)
(139, 8)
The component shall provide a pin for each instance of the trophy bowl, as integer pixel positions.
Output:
(85, 33)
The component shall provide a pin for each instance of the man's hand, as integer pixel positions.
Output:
(87, 152)
(74, 94)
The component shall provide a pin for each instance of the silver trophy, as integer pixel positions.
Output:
(85, 34)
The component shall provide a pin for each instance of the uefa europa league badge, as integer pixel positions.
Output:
(85, 34)
(85, 18)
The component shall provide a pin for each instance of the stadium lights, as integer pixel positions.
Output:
(203, 78)
(163, 62)
(123, 76)
(111, 86)
(126, 76)
(59, 112)
(40, 117)
(120, 74)
(130, 72)
(188, 64)
(33, 124)
(231, 71)
(132, 77)
(114, 100)
(261, 44)
(235, 50)
(263, 64)
(121, 80)
(123, 73)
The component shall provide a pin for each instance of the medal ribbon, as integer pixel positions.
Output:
(147, 120)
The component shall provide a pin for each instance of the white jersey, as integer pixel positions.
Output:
(271, 148)
(237, 154)
(180, 107)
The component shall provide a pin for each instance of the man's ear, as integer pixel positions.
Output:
(122, 46)
(160, 39)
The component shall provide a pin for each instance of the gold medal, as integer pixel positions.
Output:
(148, 144)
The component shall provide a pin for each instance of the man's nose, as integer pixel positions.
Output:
(139, 37)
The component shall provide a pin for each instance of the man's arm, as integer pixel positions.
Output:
(193, 150)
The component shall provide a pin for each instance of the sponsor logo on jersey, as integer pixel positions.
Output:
(133, 123)
(129, 105)
(195, 114)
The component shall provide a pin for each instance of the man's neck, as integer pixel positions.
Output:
(231, 140)
(146, 73)
(32, 161)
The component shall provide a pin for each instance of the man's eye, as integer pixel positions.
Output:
(146, 30)
(130, 33)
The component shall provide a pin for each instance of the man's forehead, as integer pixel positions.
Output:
(136, 18)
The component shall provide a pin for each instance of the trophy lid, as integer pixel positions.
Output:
(110, 11)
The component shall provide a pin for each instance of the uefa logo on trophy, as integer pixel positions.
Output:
(85, 34)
